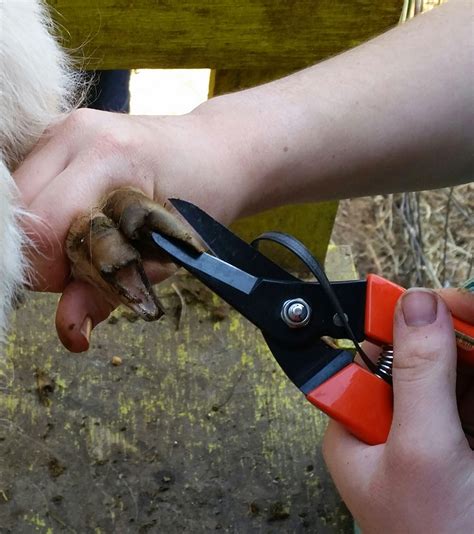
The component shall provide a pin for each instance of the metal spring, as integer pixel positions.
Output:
(385, 364)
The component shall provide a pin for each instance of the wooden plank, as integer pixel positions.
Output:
(310, 223)
(228, 80)
(197, 430)
(217, 33)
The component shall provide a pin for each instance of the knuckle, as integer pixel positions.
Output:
(101, 133)
(78, 119)
(114, 143)
(423, 353)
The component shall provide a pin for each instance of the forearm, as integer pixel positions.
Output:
(386, 116)
(393, 114)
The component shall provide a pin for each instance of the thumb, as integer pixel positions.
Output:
(80, 308)
(424, 371)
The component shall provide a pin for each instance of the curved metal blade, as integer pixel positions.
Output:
(226, 245)
(203, 265)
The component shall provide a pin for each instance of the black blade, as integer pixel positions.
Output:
(226, 245)
(203, 264)
(230, 283)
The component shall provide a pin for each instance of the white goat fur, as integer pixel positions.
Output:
(35, 89)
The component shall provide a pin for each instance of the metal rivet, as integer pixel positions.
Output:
(296, 313)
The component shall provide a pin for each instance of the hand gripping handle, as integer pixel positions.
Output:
(381, 299)
(359, 400)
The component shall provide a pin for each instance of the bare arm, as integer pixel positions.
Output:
(394, 114)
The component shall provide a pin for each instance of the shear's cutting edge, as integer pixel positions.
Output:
(226, 245)
(203, 264)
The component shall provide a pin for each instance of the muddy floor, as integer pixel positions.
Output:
(185, 425)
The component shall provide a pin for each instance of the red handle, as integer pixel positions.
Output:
(359, 400)
(381, 298)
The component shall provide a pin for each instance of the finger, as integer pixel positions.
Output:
(80, 308)
(53, 209)
(466, 410)
(52, 204)
(56, 206)
(339, 443)
(460, 301)
(50, 270)
(424, 372)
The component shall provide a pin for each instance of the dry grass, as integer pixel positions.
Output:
(415, 239)
(415, 7)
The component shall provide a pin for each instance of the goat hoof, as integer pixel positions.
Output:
(105, 248)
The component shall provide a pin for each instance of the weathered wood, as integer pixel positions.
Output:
(198, 429)
(217, 33)
(310, 223)
(228, 80)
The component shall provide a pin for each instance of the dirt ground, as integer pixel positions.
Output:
(195, 430)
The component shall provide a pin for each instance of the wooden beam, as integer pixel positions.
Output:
(112, 34)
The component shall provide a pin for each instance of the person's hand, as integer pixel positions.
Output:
(422, 478)
(91, 153)
(316, 135)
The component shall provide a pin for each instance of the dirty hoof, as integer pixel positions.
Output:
(105, 248)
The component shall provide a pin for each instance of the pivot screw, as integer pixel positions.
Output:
(296, 313)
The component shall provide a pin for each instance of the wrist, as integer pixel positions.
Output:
(249, 131)
(278, 138)
(188, 158)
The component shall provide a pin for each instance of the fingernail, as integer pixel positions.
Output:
(419, 306)
(86, 328)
